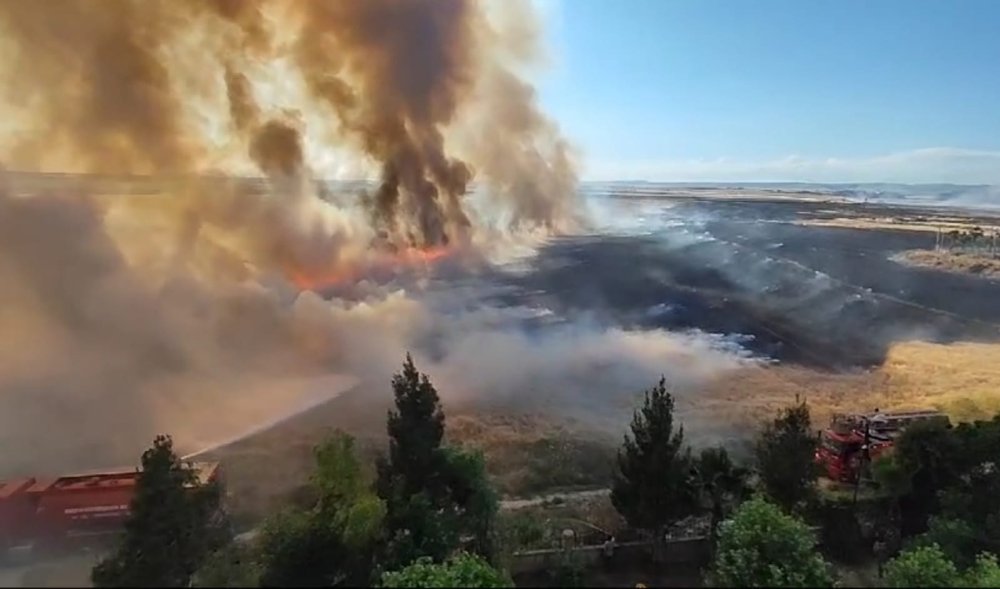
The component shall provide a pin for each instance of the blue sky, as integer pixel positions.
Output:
(809, 90)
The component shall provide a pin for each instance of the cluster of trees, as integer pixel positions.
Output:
(660, 481)
(946, 506)
(939, 500)
(427, 517)
(928, 566)
(425, 521)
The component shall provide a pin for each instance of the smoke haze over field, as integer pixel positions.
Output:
(100, 352)
(190, 310)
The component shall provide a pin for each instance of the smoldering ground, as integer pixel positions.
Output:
(827, 298)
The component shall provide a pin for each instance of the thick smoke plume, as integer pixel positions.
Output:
(181, 303)
(412, 63)
(96, 86)
(425, 89)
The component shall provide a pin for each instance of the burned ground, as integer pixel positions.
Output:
(823, 297)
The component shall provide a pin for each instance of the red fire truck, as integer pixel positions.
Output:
(72, 510)
(842, 448)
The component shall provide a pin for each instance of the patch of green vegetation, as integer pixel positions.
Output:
(555, 464)
(523, 531)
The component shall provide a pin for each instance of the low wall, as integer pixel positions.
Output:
(694, 550)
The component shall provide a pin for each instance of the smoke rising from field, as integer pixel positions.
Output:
(104, 346)
(412, 64)
(425, 90)
(188, 310)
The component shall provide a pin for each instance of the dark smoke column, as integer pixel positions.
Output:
(394, 73)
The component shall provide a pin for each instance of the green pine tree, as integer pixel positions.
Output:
(416, 430)
(173, 526)
(436, 497)
(654, 484)
(785, 454)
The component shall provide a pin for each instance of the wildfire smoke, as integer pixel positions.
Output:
(132, 309)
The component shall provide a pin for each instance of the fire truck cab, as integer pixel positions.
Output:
(852, 440)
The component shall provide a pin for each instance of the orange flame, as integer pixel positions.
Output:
(305, 279)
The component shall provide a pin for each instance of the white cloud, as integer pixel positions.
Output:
(929, 165)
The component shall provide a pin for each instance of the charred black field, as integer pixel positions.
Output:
(824, 297)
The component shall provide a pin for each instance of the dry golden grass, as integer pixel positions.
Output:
(902, 223)
(527, 454)
(980, 265)
(961, 379)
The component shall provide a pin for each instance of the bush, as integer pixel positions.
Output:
(955, 538)
(923, 566)
(463, 570)
(984, 573)
(929, 566)
(523, 531)
(761, 546)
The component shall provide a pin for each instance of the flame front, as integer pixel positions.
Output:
(391, 262)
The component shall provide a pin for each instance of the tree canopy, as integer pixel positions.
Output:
(928, 566)
(956, 472)
(332, 543)
(461, 570)
(654, 483)
(785, 453)
(174, 524)
(435, 496)
(924, 566)
(761, 546)
(954, 537)
(985, 572)
(234, 565)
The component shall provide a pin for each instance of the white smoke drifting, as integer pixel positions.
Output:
(188, 310)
